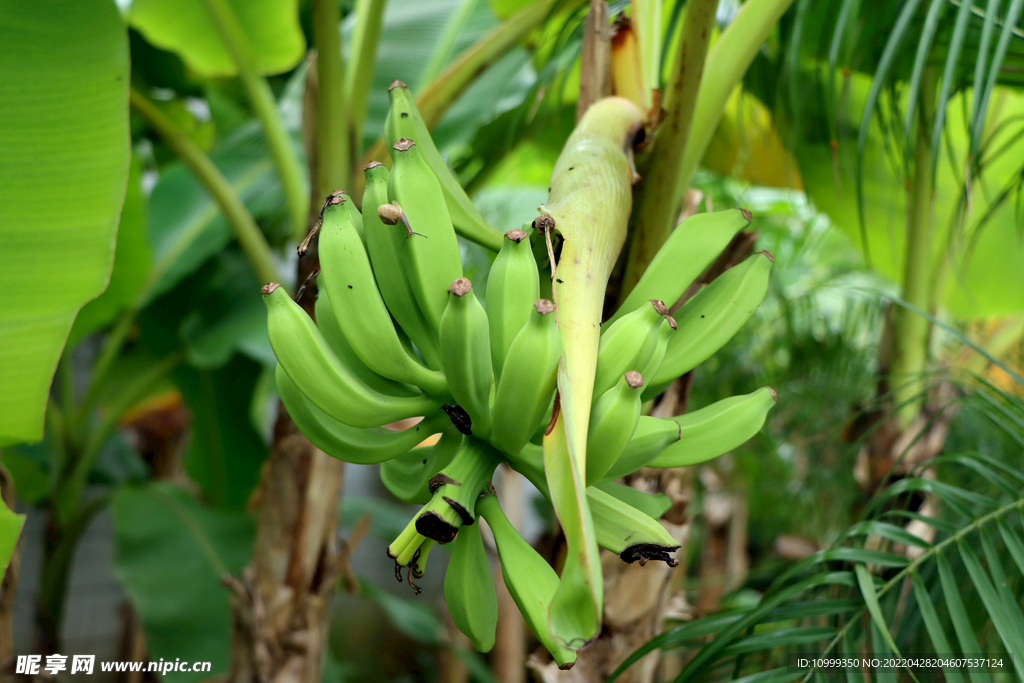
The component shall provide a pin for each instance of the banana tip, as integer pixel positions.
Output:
(775, 396)
(396, 84)
(372, 164)
(672, 322)
(746, 214)
(544, 306)
(403, 145)
(567, 665)
(768, 254)
(634, 379)
(431, 525)
(269, 288)
(516, 235)
(461, 287)
(659, 306)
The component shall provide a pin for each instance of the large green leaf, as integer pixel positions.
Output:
(226, 452)
(412, 31)
(170, 554)
(63, 169)
(988, 256)
(185, 27)
(133, 260)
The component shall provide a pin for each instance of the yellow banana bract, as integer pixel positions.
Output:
(305, 355)
(589, 204)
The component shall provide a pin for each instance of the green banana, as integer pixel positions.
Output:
(618, 526)
(628, 532)
(466, 358)
(305, 355)
(513, 285)
(523, 398)
(430, 252)
(652, 436)
(711, 318)
(612, 423)
(404, 121)
(709, 432)
(654, 505)
(530, 579)
(469, 589)
(628, 344)
(384, 244)
(331, 330)
(338, 440)
(664, 336)
(365, 321)
(407, 476)
(691, 247)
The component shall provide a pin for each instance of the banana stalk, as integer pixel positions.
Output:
(589, 204)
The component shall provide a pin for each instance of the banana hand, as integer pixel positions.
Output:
(305, 355)
(466, 355)
(384, 244)
(523, 397)
(711, 318)
(430, 251)
(513, 284)
(709, 432)
(691, 247)
(404, 121)
(358, 307)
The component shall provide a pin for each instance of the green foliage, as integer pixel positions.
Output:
(171, 554)
(186, 27)
(63, 171)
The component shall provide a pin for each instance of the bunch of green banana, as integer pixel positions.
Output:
(401, 333)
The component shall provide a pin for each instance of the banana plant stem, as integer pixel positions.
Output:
(69, 491)
(359, 70)
(265, 108)
(112, 346)
(333, 157)
(660, 194)
(910, 330)
(243, 225)
(726, 63)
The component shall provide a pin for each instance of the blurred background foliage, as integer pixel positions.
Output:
(161, 412)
